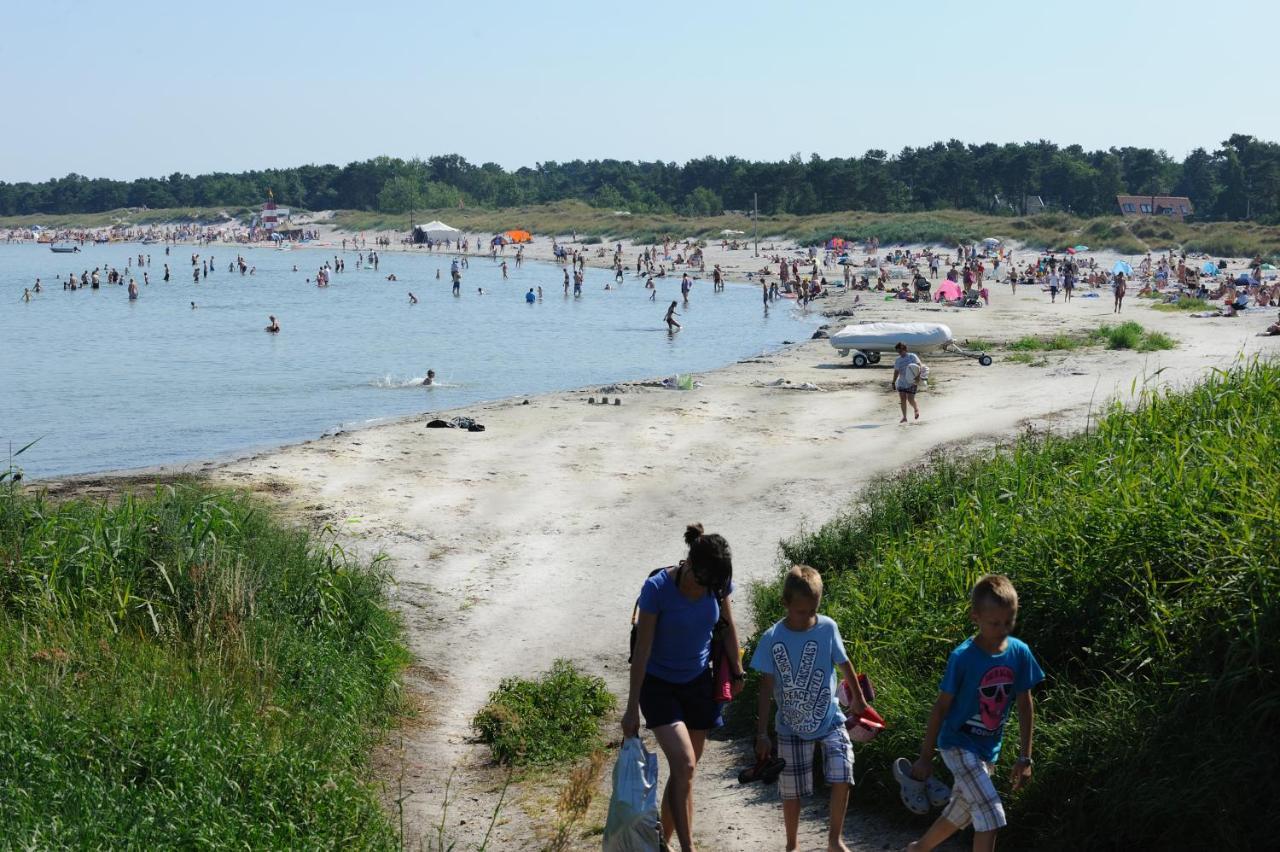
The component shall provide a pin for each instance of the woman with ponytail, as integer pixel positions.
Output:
(671, 677)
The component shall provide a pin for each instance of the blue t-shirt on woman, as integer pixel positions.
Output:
(682, 638)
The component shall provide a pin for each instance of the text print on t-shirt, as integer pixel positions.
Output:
(806, 693)
(994, 691)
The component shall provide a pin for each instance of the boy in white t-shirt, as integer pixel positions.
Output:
(798, 657)
(907, 372)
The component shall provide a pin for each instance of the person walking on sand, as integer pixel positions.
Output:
(986, 676)
(803, 684)
(907, 371)
(670, 319)
(671, 679)
(1119, 292)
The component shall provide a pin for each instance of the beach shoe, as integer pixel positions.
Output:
(766, 770)
(937, 792)
(913, 792)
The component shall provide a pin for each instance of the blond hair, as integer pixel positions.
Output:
(802, 580)
(994, 589)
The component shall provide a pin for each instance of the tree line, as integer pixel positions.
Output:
(1237, 181)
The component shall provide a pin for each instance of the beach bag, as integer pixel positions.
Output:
(632, 823)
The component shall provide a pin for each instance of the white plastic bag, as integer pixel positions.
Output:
(632, 824)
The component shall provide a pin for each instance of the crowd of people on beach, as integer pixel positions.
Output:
(685, 666)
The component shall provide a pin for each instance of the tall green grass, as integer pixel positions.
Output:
(179, 670)
(1145, 554)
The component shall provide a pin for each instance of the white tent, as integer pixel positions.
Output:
(436, 230)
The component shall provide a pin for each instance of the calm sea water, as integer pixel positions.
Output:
(106, 383)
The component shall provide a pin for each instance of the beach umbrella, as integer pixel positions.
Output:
(1070, 250)
(1082, 248)
(1209, 268)
(1268, 266)
(991, 242)
(730, 232)
(1122, 266)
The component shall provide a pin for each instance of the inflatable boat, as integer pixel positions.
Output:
(867, 340)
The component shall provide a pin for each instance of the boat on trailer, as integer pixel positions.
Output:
(867, 340)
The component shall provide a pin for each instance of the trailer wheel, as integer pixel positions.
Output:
(873, 357)
(984, 360)
(859, 360)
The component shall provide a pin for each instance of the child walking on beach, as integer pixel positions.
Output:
(798, 657)
(984, 677)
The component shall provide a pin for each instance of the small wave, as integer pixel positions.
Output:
(395, 383)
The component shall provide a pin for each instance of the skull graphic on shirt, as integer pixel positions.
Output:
(994, 691)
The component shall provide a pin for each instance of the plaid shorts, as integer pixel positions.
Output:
(796, 779)
(973, 796)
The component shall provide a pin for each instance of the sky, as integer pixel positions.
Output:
(142, 88)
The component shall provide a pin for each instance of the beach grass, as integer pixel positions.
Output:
(547, 720)
(1186, 303)
(181, 670)
(1145, 553)
(1126, 335)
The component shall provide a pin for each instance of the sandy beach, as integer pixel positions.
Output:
(529, 541)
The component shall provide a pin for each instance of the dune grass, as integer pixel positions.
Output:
(551, 719)
(1126, 335)
(1145, 553)
(179, 670)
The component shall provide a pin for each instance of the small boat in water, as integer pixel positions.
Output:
(63, 248)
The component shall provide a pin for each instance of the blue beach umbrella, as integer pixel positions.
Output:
(1122, 266)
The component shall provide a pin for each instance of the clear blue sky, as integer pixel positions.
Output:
(145, 88)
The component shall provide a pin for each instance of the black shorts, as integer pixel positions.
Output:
(910, 390)
(663, 702)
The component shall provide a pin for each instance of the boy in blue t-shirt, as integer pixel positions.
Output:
(984, 677)
(798, 657)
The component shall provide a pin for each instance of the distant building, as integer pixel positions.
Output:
(1174, 206)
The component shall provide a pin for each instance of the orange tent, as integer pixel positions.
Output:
(518, 236)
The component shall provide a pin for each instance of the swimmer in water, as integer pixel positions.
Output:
(392, 277)
(430, 379)
(274, 328)
(672, 325)
(193, 306)
(413, 300)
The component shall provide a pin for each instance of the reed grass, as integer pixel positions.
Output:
(1145, 554)
(179, 670)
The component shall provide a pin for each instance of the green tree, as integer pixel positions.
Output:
(399, 195)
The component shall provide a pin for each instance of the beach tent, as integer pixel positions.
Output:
(730, 232)
(1122, 266)
(434, 231)
(948, 289)
(1209, 268)
(518, 236)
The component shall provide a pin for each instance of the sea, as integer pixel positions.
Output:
(186, 372)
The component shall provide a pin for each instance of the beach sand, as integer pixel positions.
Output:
(529, 541)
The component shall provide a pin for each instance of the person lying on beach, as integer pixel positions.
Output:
(274, 327)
